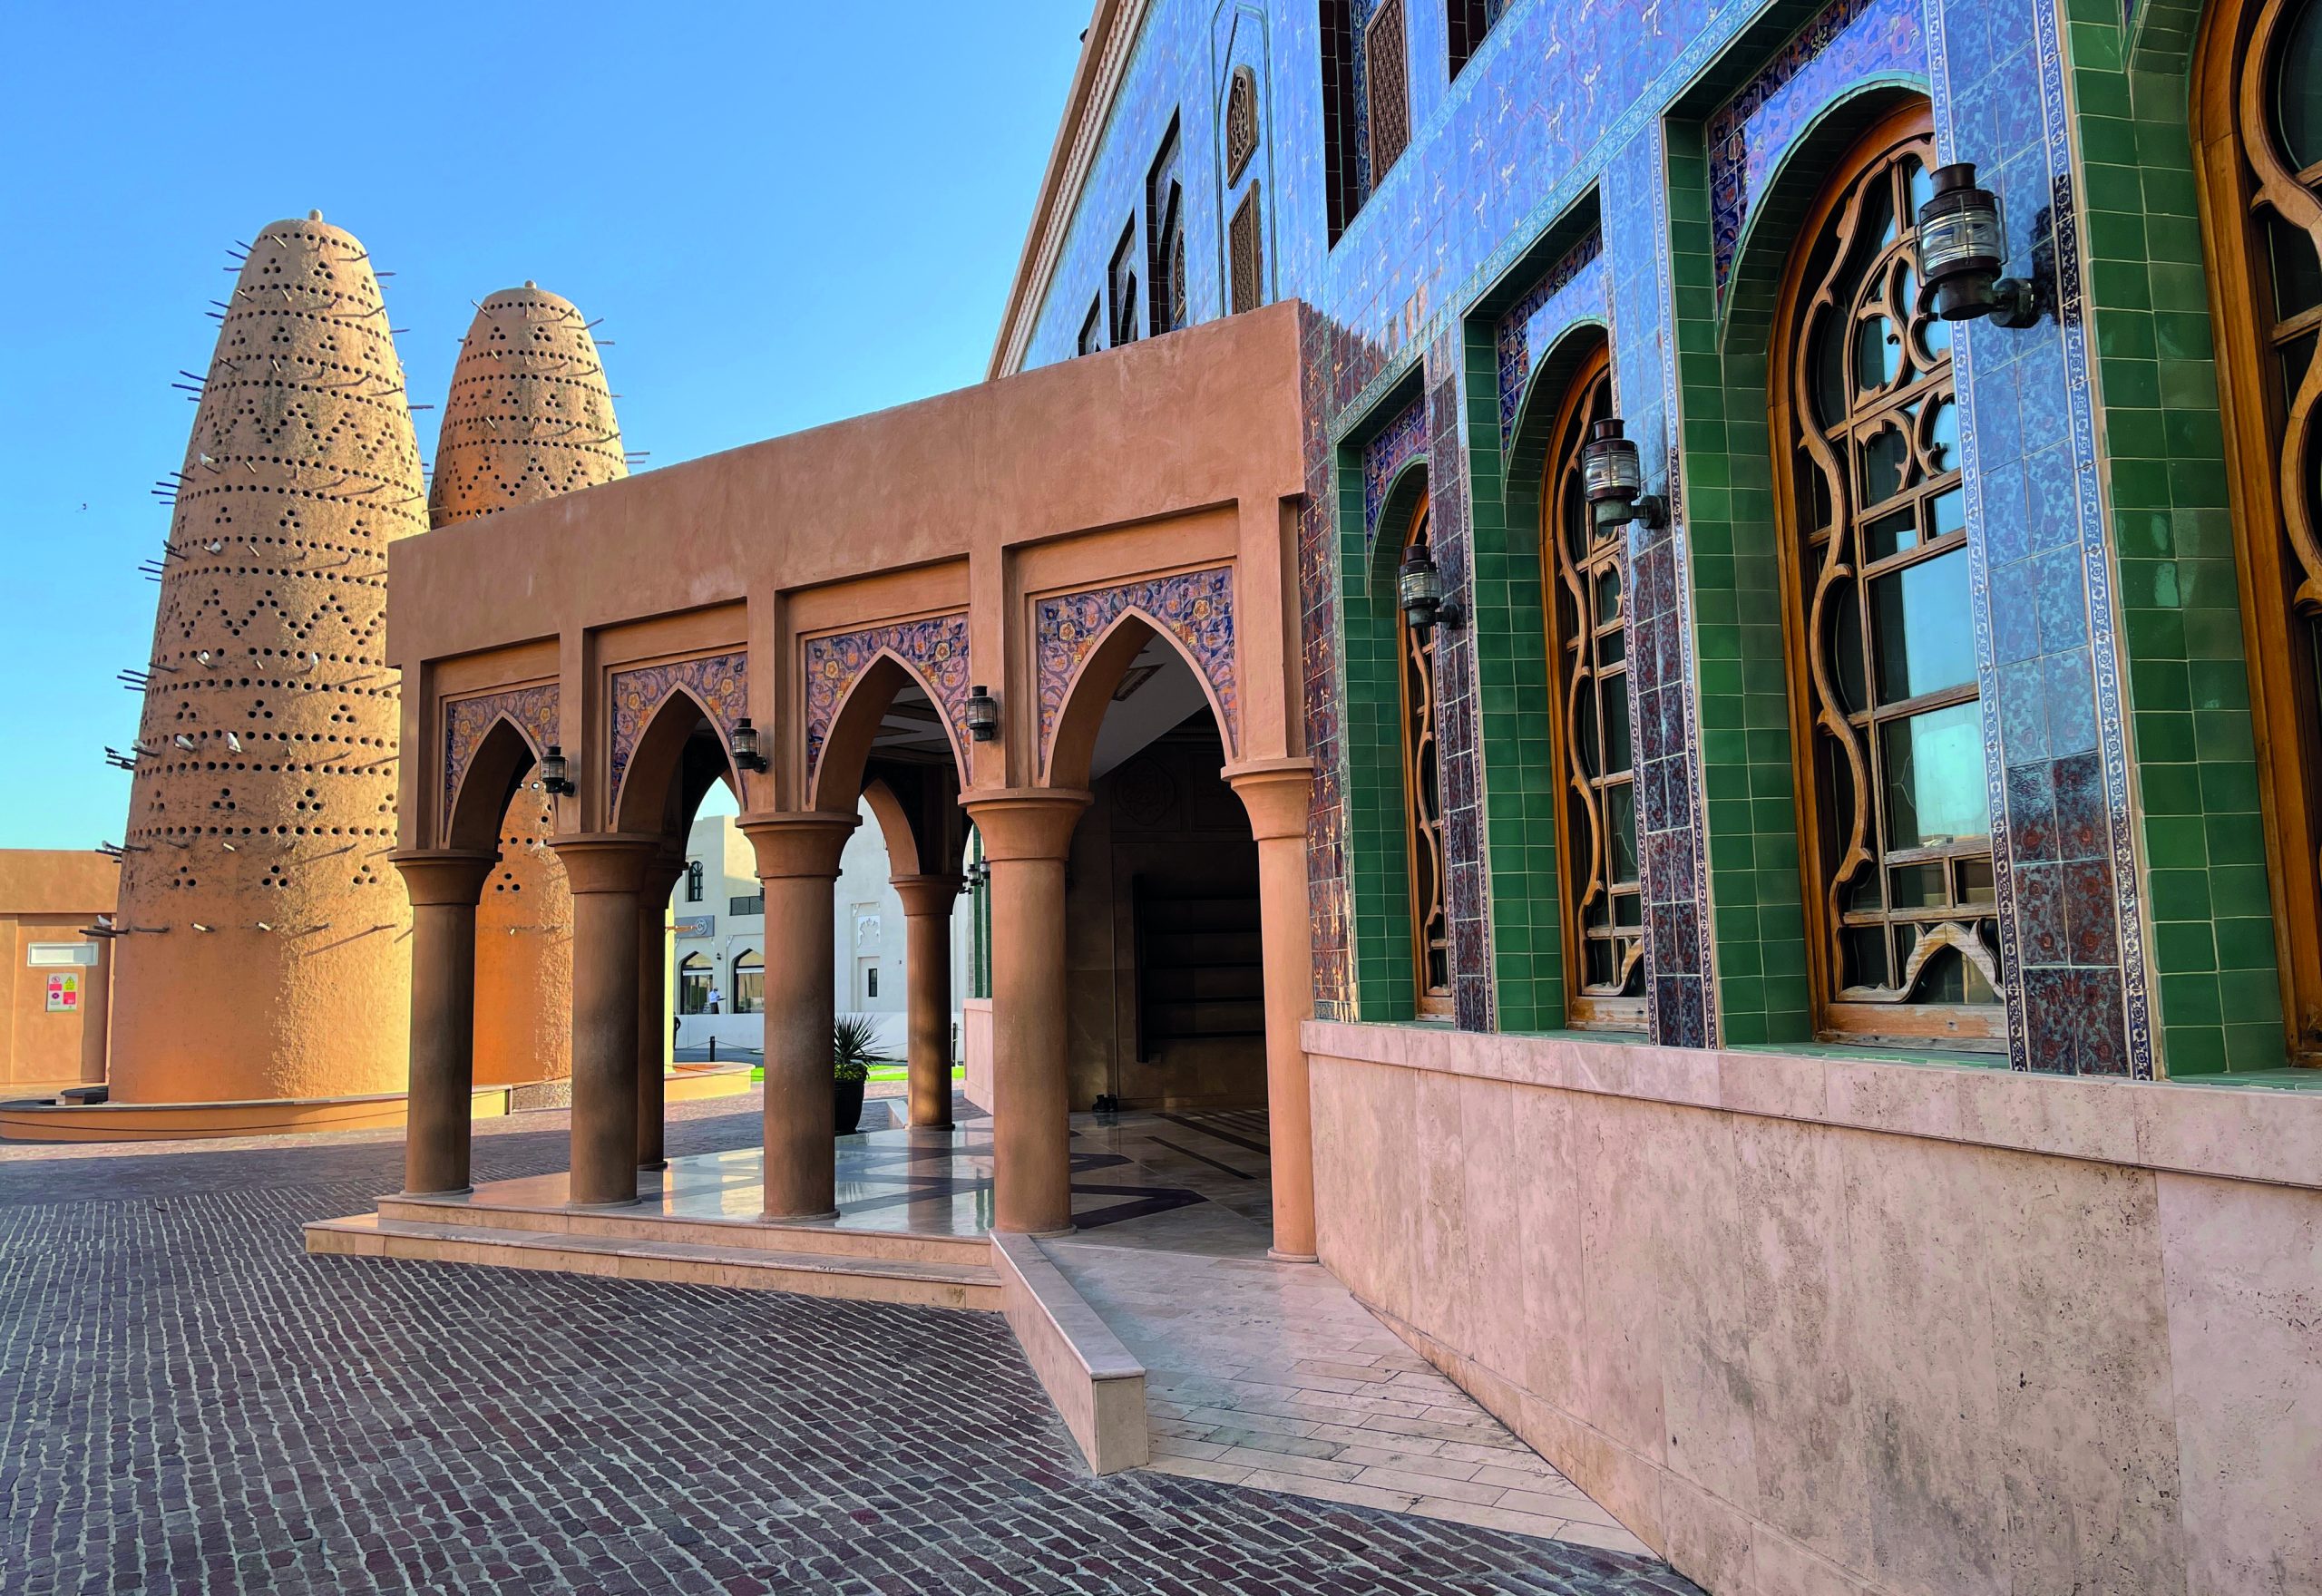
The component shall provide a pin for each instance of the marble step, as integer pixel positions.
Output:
(647, 1221)
(863, 1279)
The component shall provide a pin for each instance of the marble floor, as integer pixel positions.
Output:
(1262, 1375)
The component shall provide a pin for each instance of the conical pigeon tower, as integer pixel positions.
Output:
(530, 417)
(264, 953)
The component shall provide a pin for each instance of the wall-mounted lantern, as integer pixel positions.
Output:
(556, 775)
(1961, 246)
(983, 714)
(1418, 592)
(1612, 476)
(745, 746)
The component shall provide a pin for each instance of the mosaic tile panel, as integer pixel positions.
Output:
(1407, 438)
(1195, 607)
(1849, 43)
(1571, 290)
(935, 650)
(719, 683)
(530, 710)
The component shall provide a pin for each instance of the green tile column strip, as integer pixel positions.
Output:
(1379, 891)
(1509, 626)
(1760, 922)
(2193, 756)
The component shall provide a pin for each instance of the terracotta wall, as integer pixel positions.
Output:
(46, 896)
(1809, 1324)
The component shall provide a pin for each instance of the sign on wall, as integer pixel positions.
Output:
(49, 955)
(696, 925)
(64, 992)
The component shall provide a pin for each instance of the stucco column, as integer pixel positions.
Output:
(797, 858)
(96, 1013)
(444, 886)
(653, 1019)
(606, 872)
(1027, 834)
(927, 991)
(1277, 794)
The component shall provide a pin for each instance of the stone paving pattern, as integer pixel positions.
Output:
(189, 1403)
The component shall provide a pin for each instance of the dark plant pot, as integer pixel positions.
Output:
(846, 1105)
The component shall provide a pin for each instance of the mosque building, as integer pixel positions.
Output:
(1672, 643)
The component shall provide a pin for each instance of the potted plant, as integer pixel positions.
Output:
(855, 1048)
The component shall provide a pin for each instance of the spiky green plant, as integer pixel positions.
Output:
(855, 1047)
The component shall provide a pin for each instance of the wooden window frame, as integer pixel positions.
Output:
(1576, 790)
(1837, 1017)
(1418, 734)
(2280, 574)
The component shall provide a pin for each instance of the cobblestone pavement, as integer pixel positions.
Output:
(189, 1403)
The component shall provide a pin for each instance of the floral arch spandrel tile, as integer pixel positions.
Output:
(1195, 607)
(936, 647)
(720, 681)
(530, 710)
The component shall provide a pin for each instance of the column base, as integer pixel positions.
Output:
(652, 1164)
(795, 1219)
(1293, 1257)
(446, 1192)
(1038, 1235)
(613, 1203)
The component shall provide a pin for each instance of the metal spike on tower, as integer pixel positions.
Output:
(530, 417)
(267, 956)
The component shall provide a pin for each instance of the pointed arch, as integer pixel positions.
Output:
(837, 760)
(1194, 609)
(496, 766)
(905, 856)
(652, 785)
(1079, 714)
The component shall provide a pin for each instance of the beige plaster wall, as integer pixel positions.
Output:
(1813, 1324)
(46, 895)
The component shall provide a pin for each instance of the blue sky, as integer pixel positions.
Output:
(784, 216)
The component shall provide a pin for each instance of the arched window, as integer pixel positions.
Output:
(1164, 222)
(1604, 909)
(1895, 845)
(1423, 802)
(693, 881)
(693, 984)
(749, 984)
(2257, 114)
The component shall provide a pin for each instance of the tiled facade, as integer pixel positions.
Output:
(1638, 172)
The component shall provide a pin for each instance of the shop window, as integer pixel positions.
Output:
(693, 985)
(1245, 264)
(749, 984)
(2258, 105)
(1423, 802)
(1604, 909)
(693, 881)
(1122, 280)
(1897, 848)
(1165, 240)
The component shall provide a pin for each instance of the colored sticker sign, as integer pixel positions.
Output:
(64, 992)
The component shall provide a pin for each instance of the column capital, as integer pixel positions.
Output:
(1277, 793)
(661, 873)
(1024, 822)
(805, 843)
(926, 894)
(606, 861)
(443, 875)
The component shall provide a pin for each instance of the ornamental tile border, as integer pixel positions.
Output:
(720, 683)
(1513, 334)
(532, 711)
(933, 648)
(1749, 134)
(1396, 445)
(1195, 607)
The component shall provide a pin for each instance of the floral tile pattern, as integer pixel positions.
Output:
(720, 682)
(1195, 607)
(1571, 290)
(530, 710)
(1398, 443)
(934, 648)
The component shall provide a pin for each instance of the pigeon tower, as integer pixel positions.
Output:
(263, 950)
(530, 417)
